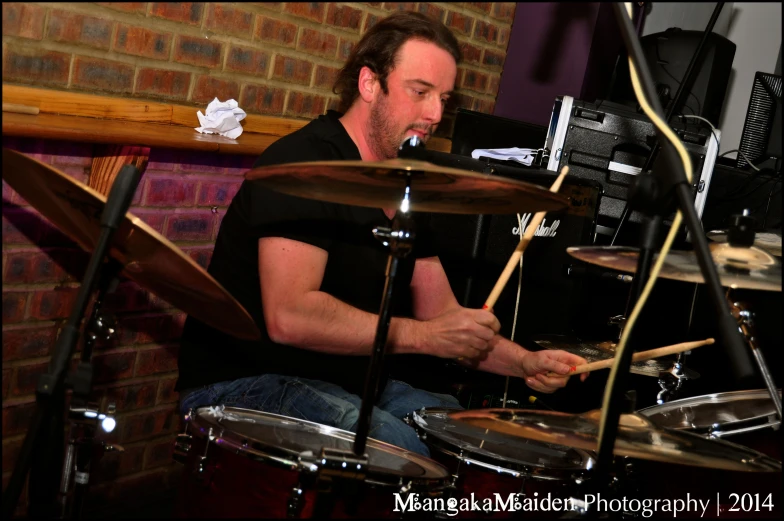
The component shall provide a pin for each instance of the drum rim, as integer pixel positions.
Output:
(500, 464)
(718, 398)
(288, 459)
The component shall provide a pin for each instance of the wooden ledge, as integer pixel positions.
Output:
(90, 118)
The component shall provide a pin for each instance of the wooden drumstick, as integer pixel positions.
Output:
(521, 246)
(637, 357)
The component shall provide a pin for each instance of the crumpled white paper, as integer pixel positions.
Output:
(223, 117)
(521, 155)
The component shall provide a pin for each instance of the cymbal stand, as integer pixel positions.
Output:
(745, 318)
(43, 443)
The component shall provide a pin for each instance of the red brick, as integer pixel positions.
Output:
(164, 83)
(317, 43)
(185, 12)
(459, 23)
(37, 267)
(163, 158)
(128, 7)
(333, 104)
(503, 37)
(166, 392)
(370, 21)
(263, 99)
(484, 106)
(131, 397)
(301, 104)
(51, 304)
(292, 70)
(14, 305)
(462, 100)
(325, 76)
(11, 453)
(128, 296)
(169, 191)
(155, 219)
(223, 18)
(96, 74)
(276, 31)
(272, 6)
(159, 453)
(23, 19)
(75, 28)
(146, 329)
(208, 88)
(344, 17)
(16, 418)
(308, 10)
(471, 53)
(201, 256)
(113, 366)
(480, 7)
(9, 194)
(249, 61)
(145, 425)
(475, 81)
(139, 41)
(37, 66)
(492, 88)
(219, 193)
(194, 226)
(485, 31)
(503, 11)
(157, 360)
(344, 48)
(493, 59)
(198, 51)
(27, 378)
(432, 10)
(400, 6)
(115, 464)
(6, 382)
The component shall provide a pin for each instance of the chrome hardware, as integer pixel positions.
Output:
(90, 413)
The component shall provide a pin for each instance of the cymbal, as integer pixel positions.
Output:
(638, 437)
(749, 268)
(147, 257)
(596, 351)
(769, 242)
(381, 184)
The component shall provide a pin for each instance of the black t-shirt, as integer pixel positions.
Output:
(355, 271)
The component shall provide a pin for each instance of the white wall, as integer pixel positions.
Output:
(755, 28)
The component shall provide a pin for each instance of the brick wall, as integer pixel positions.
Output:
(273, 58)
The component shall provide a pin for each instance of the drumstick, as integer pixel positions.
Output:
(521, 246)
(637, 357)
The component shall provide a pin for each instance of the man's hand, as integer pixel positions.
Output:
(536, 364)
(459, 333)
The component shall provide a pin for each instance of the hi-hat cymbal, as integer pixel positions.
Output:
(146, 256)
(638, 437)
(596, 351)
(769, 242)
(433, 188)
(749, 268)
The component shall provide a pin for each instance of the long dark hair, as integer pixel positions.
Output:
(377, 50)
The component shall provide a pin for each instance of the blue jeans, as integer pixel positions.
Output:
(325, 403)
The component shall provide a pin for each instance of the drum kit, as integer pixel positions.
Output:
(241, 462)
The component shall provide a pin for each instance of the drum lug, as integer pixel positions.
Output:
(295, 503)
(183, 441)
(201, 465)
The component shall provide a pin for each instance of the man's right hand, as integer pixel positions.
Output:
(461, 333)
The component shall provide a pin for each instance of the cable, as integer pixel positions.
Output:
(744, 157)
(687, 167)
(713, 129)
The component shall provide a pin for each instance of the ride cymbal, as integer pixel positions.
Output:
(769, 242)
(147, 257)
(749, 268)
(381, 184)
(638, 437)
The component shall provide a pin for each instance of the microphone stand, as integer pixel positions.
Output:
(680, 96)
(668, 182)
(43, 446)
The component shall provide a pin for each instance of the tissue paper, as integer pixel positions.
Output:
(521, 155)
(223, 117)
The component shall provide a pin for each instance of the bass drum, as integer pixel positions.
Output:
(745, 418)
(485, 463)
(251, 464)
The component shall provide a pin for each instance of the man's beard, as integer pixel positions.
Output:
(384, 140)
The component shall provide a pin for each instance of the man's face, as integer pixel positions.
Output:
(419, 85)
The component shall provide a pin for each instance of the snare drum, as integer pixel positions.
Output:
(486, 463)
(251, 464)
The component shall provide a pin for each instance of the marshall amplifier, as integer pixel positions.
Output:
(474, 249)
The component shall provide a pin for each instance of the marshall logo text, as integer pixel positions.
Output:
(542, 231)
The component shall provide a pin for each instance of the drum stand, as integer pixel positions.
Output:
(43, 443)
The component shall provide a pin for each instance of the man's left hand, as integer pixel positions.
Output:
(536, 364)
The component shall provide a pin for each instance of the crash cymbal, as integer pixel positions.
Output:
(147, 257)
(596, 351)
(769, 242)
(749, 268)
(638, 437)
(381, 185)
